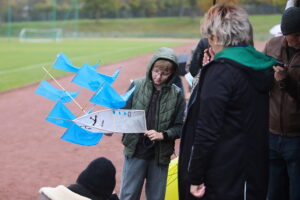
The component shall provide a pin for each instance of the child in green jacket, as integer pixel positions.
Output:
(147, 155)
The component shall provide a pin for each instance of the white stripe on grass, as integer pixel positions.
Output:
(29, 67)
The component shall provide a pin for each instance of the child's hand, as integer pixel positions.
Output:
(153, 135)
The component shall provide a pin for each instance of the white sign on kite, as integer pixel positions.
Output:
(114, 121)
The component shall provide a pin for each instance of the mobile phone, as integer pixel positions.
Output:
(279, 63)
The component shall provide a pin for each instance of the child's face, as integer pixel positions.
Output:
(161, 71)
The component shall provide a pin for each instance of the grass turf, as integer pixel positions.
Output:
(21, 63)
(176, 27)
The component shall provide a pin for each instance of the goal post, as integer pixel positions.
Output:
(40, 35)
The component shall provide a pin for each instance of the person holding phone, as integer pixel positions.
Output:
(284, 137)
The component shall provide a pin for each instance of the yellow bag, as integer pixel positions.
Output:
(172, 181)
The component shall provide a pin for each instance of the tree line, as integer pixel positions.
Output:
(38, 10)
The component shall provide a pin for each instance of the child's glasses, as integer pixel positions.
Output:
(158, 72)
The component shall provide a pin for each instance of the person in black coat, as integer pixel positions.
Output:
(224, 143)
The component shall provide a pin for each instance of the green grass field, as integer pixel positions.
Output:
(21, 63)
(175, 27)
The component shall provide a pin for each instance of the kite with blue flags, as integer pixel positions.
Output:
(112, 78)
(60, 115)
(93, 66)
(45, 89)
(64, 64)
(108, 97)
(90, 79)
(88, 129)
(77, 135)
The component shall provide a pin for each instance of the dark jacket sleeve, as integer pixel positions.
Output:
(197, 57)
(215, 93)
(290, 85)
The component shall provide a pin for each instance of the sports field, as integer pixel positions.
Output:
(22, 62)
(33, 155)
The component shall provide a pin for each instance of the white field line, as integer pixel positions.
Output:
(39, 65)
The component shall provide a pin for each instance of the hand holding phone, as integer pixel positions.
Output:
(280, 71)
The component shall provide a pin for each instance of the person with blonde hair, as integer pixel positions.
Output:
(224, 142)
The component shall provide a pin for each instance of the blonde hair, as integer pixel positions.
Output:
(230, 24)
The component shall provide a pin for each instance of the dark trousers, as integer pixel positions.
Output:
(284, 171)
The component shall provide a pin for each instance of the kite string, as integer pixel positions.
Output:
(81, 108)
(60, 118)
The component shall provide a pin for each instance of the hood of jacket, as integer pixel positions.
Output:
(256, 65)
(166, 54)
(247, 56)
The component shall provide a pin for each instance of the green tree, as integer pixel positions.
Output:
(135, 7)
(99, 8)
(206, 4)
(280, 3)
(193, 6)
(3, 8)
(149, 7)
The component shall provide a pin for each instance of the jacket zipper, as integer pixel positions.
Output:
(283, 94)
(281, 112)
(157, 121)
(283, 97)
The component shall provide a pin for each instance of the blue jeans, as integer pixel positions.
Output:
(284, 172)
(135, 172)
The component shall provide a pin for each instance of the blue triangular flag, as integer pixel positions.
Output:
(126, 96)
(88, 78)
(45, 89)
(93, 66)
(77, 135)
(110, 79)
(60, 115)
(63, 63)
(108, 97)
